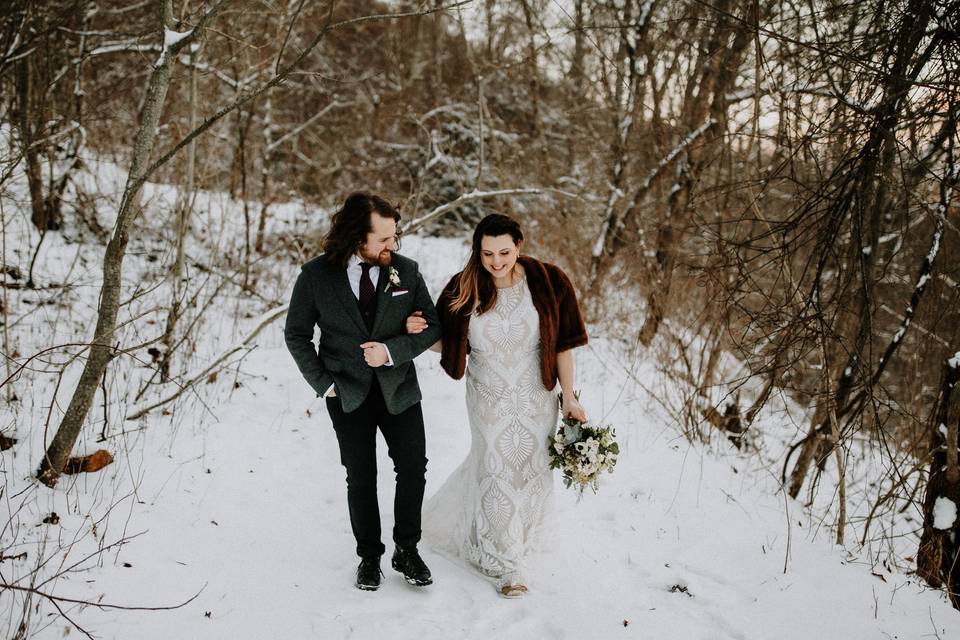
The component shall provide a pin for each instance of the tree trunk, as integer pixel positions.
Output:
(863, 195)
(184, 210)
(576, 65)
(244, 196)
(5, 306)
(533, 73)
(662, 280)
(628, 115)
(31, 158)
(937, 557)
(102, 345)
(719, 66)
(488, 8)
(575, 76)
(267, 160)
(436, 69)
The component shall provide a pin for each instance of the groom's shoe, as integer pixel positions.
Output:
(368, 574)
(411, 565)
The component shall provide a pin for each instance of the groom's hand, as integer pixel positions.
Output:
(374, 353)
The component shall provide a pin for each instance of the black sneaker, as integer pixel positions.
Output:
(411, 565)
(368, 574)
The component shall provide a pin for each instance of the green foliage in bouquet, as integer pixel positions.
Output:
(582, 452)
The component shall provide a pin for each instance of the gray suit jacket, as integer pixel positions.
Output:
(322, 297)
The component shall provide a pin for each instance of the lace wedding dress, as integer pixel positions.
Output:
(489, 511)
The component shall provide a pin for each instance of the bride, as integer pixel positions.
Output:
(518, 318)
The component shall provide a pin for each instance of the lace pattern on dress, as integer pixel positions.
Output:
(492, 507)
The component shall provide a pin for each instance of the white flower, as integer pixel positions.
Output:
(394, 276)
(582, 453)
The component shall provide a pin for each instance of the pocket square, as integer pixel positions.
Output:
(399, 292)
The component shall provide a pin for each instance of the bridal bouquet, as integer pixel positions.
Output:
(582, 452)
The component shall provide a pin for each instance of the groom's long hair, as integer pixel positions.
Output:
(476, 288)
(350, 225)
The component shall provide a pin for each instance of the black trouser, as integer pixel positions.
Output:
(357, 436)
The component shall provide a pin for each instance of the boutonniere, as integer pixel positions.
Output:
(393, 281)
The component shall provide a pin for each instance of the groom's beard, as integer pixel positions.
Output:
(381, 260)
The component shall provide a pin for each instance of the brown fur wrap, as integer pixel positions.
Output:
(561, 323)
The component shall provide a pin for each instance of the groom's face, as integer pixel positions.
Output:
(381, 240)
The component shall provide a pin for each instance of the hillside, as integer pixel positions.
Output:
(233, 496)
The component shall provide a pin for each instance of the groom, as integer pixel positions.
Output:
(359, 293)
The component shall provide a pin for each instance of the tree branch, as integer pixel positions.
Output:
(416, 223)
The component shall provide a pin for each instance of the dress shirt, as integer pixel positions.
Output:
(354, 273)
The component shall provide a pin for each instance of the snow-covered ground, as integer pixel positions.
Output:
(234, 499)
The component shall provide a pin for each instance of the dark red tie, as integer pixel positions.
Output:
(367, 293)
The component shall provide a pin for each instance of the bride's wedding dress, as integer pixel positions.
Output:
(489, 510)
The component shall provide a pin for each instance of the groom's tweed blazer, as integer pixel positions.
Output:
(322, 297)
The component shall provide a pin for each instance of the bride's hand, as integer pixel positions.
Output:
(573, 409)
(416, 323)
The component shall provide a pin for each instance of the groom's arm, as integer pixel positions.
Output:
(298, 334)
(406, 347)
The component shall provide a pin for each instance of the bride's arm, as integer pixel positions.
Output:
(417, 323)
(571, 406)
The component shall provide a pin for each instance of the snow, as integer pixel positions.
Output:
(944, 513)
(236, 495)
(597, 250)
(645, 12)
(902, 330)
(250, 512)
(954, 362)
(120, 46)
(935, 245)
(170, 39)
(667, 159)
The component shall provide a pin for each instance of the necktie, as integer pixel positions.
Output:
(367, 293)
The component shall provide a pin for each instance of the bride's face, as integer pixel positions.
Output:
(498, 254)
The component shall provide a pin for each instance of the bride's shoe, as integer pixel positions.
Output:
(513, 590)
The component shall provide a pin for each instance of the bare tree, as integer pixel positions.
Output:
(937, 555)
(102, 348)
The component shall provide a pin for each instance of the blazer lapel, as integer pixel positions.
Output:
(382, 298)
(349, 303)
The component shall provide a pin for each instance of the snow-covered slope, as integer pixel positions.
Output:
(235, 500)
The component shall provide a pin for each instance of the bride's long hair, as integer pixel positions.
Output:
(476, 288)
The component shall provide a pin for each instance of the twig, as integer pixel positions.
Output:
(416, 223)
(265, 320)
(99, 605)
(277, 78)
